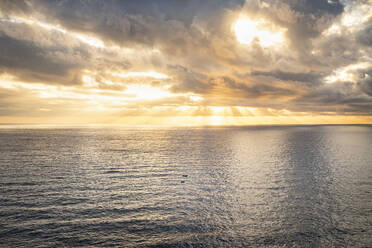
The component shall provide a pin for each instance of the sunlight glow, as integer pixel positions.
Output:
(146, 92)
(89, 81)
(93, 102)
(352, 18)
(346, 73)
(247, 30)
(150, 74)
(90, 40)
(355, 15)
(196, 98)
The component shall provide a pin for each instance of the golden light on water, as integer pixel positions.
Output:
(247, 30)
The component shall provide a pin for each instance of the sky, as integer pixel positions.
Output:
(193, 62)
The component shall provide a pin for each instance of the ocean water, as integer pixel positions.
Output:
(281, 186)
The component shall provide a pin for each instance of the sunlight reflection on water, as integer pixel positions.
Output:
(306, 186)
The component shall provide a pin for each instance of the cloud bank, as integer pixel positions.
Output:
(91, 61)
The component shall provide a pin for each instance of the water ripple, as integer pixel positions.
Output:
(305, 186)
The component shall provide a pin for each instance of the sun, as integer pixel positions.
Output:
(247, 30)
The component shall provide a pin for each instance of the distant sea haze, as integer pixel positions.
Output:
(272, 186)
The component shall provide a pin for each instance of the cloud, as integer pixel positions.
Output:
(31, 63)
(255, 90)
(365, 35)
(81, 48)
(9, 7)
(310, 77)
(127, 22)
(303, 19)
(190, 81)
(365, 81)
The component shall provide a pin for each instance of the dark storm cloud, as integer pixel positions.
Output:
(256, 90)
(37, 54)
(311, 77)
(315, 16)
(8, 7)
(340, 97)
(190, 81)
(317, 7)
(338, 50)
(365, 81)
(32, 63)
(365, 35)
(130, 22)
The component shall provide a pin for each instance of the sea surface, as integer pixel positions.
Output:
(269, 186)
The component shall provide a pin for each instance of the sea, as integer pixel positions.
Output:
(120, 186)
